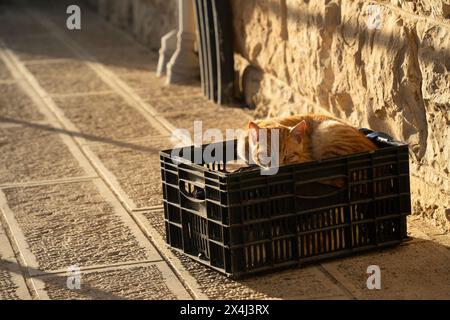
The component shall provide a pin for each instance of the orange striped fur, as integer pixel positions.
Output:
(303, 138)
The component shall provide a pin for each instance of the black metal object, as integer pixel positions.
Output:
(379, 137)
(215, 39)
(202, 50)
(241, 223)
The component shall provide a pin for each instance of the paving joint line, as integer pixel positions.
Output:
(148, 209)
(38, 183)
(174, 97)
(47, 61)
(15, 268)
(23, 255)
(148, 138)
(108, 177)
(326, 297)
(336, 282)
(81, 94)
(188, 280)
(6, 82)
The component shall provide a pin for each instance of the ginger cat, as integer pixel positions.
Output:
(302, 138)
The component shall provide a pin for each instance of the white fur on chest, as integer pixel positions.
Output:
(322, 136)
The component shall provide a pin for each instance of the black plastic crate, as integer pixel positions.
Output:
(243, 223)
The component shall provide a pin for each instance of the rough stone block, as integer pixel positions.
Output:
(280, 285)
(72, 224)
(105, 118)
(407, 272)
(137, 169)
(67, 77)
(141, 283)
(183, 112)
(12, 282)
(16, 105)
(39, 47)
(35, 152)
(4, 72)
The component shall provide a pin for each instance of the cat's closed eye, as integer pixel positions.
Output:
(290, 158)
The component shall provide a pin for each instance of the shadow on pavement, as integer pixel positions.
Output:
(89, 137)
(59, 281)
(418, 269)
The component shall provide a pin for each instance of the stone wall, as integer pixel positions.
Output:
(332, 57)
(147, 20)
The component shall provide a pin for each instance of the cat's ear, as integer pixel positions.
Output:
(253, 129)
(298, 132)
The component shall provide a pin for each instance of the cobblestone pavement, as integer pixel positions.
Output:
(82, 118)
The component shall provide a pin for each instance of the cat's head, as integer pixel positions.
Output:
(273, 146)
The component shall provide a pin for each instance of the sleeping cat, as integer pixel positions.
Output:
(302, 138)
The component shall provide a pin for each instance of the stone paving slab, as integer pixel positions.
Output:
(4, 72)
(294, 284)
(16, 105)
(38, 47)
(155, 232)
(126, 59)
(161, 90)
(67, 77)
(16, 22)
(133, 282)
(98, 36)
(156, 220)
(105, 118)
(443, 239)
(418, 270)
(12, 283)
(182, 113)
(95, 34)
(421, 230)
(137, 67)
(152, 87)
(30, 153)
(137, 168)
(73, 224)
